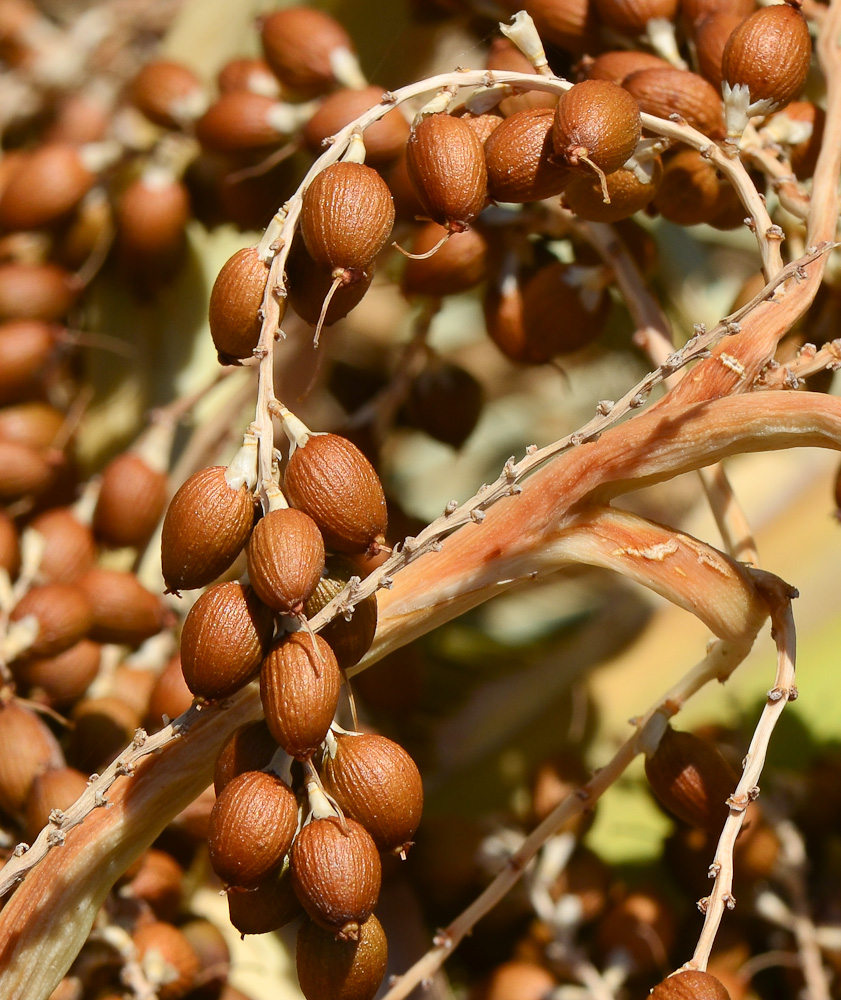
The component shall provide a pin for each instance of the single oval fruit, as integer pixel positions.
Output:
(285, 559)
(596, 126)
(668, 91)
(36, 291)
(376, 782)
(300, 682)
(629, 190)
(132, 499)
(458, 264)
(519, 157)
(205, 528)
(331, 480)
(69, 548)
(168, 93)
(336, 875)
(266, 907)
(48, 184)
(690, 984)
(251, 828)
(236, 302)
(384, 139)
(226, 635)
(347, 215)
(63, 613)
(38, 750)
(250, 747)
(301, 44)
(174, 959)
(446, 164)
(124, 611)
(341, 970)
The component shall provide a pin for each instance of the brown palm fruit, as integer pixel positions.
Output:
(596, 127)
(445, 401)
(38, 750)
(9, 545)
(336, 875)
(69, 548)
(63, 613)
(384, 139)
(572, 25)
(49, 183)
(124, 611)
(642, 927)
(27, 348)
(309, 286)
(519, 157)
(482, 124)
(629, 189)
(691, 190)
(617, 64)
(376, 782)
(300, 682)
(103, 727)
(632, 18)
(168, 93)
(59, 680)
(248, 74)
(23, 471)
(350, 639)
(446, 164)
(693, 12)
(285, 559)
(331, 480)
(458, 265)
(341, 970)
(169, 697)
(266, 907)
(131, 501)
(251, 828)
(34, 424)
(555, 315)
(504, 55)
(517, 979)
(669, 91)
(36, 291)
(250, 747)
(209, 944)
(152, 215)
(55, 788)
(169, 963)
(711, 36)
(158, 881)
(205, 528)
(226, 635)
(690, 984)
(765, 63)
(241, 122)
(347, 215)
(236, 302)
(691, 780)
(303, 45)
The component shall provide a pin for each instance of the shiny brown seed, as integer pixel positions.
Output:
(69, 548)
(341, 970)
(668, 91)
(240, 121)
(310, 284)
(225, 636)
(519, 159)
(383, 140)
(158, 882)
(617, 64)
(169, 697)
(39, 750)
(49, 183)
(336, 875)
(523, 980)
(711, 37)
(690, 984)
(249, 748)
(446, 163)
(458, 264)
(132, 499)
(27, 348)
(300, 682)
(152, 216)
(376, 782)
(570, 24)
(251, 828)
(63, 614)
(331, 480)
(205, 528)
(35, 291)
(596, 127)
(59, 680)
(168, 93)
(629, 190)
(124, 611)
(300, 44)
(267, 906)
(631, 17)
(34, 424)
(236, 301)
(285, 559)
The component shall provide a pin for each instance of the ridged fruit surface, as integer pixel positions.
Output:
(596, 123)
(690, 985)
(332, 481)
(519, 160)
(205, 528)
(299, 688)
(341, 970)
(667, 91)
(376, 782)
(769, 53)
(446, 163)
(226, 635)
(350, 639)
(384, 139)
(627, 193)
(251, 828)
(336, 874)
(285, 558)
(250, 747)
(266, 907)
(235, 302)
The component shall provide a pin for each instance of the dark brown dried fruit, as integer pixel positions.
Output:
(341, 970)
(236, 301)
(690, 984)
(285, 559)
(519, 160)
